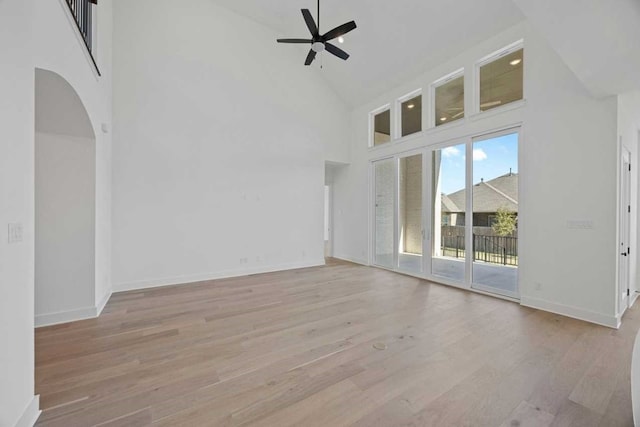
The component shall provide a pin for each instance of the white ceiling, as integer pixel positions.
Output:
(395, 40)
(598, 40)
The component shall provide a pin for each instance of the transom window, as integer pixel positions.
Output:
(448, 94)
(381, 127)
(411, 115)
(501, 79)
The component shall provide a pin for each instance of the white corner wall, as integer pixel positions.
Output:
(569, 172)
(221, 137)
(65, 169)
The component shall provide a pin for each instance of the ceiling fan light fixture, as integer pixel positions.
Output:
(320, 42)
(515, 62)
(411, 106)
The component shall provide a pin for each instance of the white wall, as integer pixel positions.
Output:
(65, 227)
(569, 172)
(41, 37)
(16, 206)
(220, 141)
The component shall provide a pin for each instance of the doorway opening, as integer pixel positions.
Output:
(328, 250)
(625, 230)
(65, 178)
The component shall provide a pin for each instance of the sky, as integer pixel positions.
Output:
(491, 158)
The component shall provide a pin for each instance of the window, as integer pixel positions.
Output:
(501, 79)
(449, 99)
(381, 123)
(411, 115)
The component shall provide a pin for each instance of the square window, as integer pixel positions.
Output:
(381, 127)
(449, 101)
(411, 115)
(501, 80)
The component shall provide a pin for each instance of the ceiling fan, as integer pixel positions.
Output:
(318, 42)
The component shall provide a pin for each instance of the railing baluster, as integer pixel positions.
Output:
(82, 12)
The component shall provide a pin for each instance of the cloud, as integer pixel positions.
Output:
(479, 155)
(451, 152)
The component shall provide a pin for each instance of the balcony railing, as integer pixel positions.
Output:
(82, 11)
(489, 249)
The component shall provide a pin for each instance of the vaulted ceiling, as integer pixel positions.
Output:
(395, 40)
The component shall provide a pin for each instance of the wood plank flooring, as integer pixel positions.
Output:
(297, 348)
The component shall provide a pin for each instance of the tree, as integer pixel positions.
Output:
(505, 223)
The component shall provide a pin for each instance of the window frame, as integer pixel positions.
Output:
(397, 134)
(432, 121)
(372, 125)
(515, 46)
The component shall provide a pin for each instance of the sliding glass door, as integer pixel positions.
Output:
(495, 214)
(467, 193)
(410, 213)
(448, 197)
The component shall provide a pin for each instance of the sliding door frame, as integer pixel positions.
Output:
(480, 138)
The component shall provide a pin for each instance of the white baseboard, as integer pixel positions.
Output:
(179, 280)
(634, 298)
(50, 319)
(30, 414)
(570, 311)
(103, 302)
(353, 260)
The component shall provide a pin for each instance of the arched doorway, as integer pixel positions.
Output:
(65, 177)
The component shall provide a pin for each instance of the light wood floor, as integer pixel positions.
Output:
(297, 348)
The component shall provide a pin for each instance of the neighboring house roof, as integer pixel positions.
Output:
(501, 192)
(448, 205)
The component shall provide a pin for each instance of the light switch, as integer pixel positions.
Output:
(15, 232)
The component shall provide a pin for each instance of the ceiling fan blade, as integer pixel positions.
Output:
(297, 41)
(311, 24)
(310, 57)
(336, 51)
(340, 31)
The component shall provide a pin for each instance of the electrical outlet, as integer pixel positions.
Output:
(15, 233)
